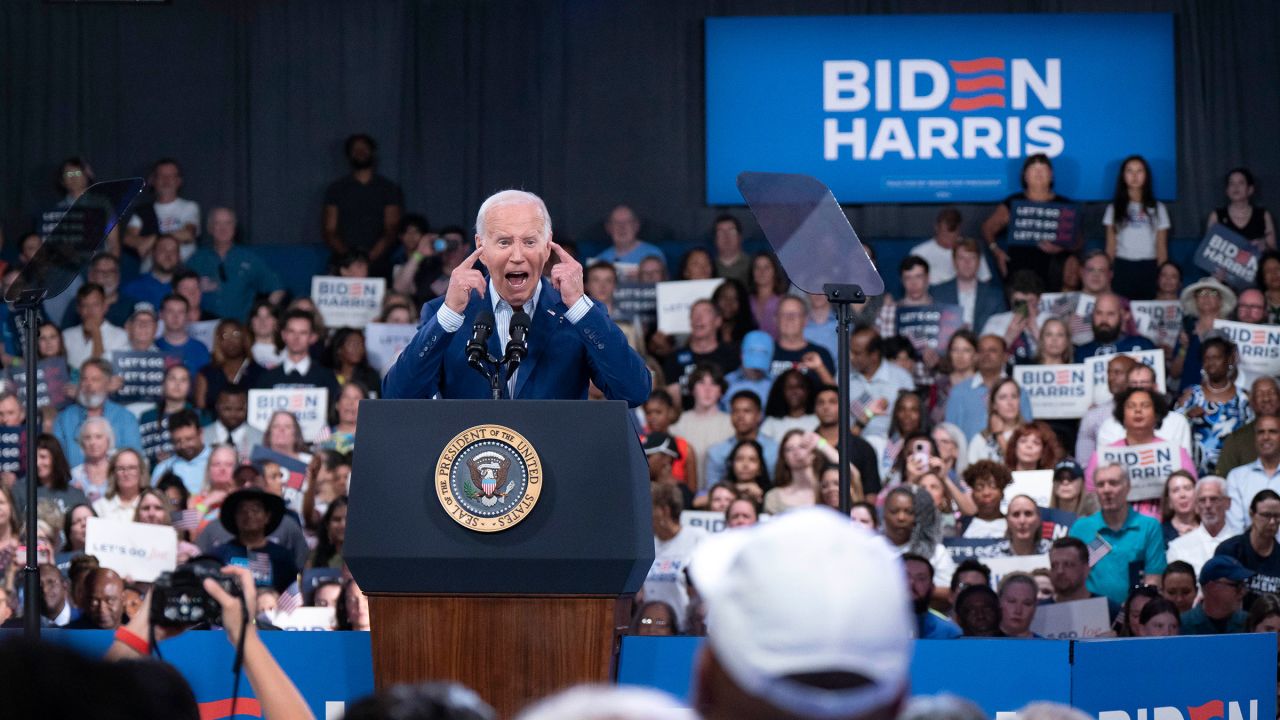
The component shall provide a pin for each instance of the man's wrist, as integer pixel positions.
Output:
(448, 319)
(579, 310)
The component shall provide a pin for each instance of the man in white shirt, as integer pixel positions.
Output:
(1020, 327)
(1197, 546)
(94, 337)
(1174, 429)
(173, 215)
(937, 250)
(875, 384)
(673, 547)
(1262, 474)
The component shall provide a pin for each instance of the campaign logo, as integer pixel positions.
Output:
(1212, 710)
(488, 478)
(909, 95)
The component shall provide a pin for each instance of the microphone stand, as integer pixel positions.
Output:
(482, 364)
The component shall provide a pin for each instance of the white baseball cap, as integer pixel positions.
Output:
(809, 592)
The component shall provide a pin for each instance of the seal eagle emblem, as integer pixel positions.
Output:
(488, 478)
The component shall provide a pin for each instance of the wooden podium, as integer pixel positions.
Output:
(514, 614)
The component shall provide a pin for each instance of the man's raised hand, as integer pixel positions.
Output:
(464, 278)
(566, 275)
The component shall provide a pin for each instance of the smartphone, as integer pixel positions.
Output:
(1020, 307)
(920, 452)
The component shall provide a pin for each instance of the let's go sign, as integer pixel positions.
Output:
(929, 108)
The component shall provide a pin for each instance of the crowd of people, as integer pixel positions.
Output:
(742, 419)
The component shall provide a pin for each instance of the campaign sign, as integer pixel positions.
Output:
(963, 548)
(1035, 484)
(201, 332)
(52, 377)
(1225, 254)
(938, 108)
(142, 374)
(1073, 308)
(156, 442)
(676, 297)
(308, 405)
(1055, 391)
(12, 448)
(295, 470)
(1149, 466)
(712, 522)
(1200, 677)
(384, 342)
(347, 302)
(135, 550)
(1257, 345)
(1159, 321)
(306, 619)
(1071, 620)
(929, 326)
(1031, 223)
(636, 301)
(1004, 565)
(1097, 370)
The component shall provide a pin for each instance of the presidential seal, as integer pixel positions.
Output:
(488, 478)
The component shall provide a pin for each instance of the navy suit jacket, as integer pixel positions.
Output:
(562, 357)
(987, 302)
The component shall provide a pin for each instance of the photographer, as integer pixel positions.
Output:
(271, 686)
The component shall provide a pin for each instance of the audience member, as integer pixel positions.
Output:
(362, 210)
(930, 624)
(1004, 414)
(95, 336)
(875, 384)
(939, 250)
(731, 299)
(153, 286)
(1139, 411)
(1203, 302)
(731, 261)
(96, 442)
(1129, 548)
(1110, 318)
(1198, 545)
(299, 369)
(745, 416)
(1020, 326)
(968, 286)
(232, 363)
(1045, 258)
(769, 284)
(1222, 584)
(103, 601)
(1178, 505)
(1017, 596)
(794, 350)
(1178, 585)
(674, 546)
(987, 479)
(753, 374)
(977, 611)
(967, 405)
(167, 215)
(790, 405)
(126, 479)
(1239, 448)
(1118, 369)
(826, 408)
(910, 524)
(1216, 406)
(251, 515)
(1173, 428)
(703, 347)
(627, 249)
(190, 453)
(231, 277)
(1137, 230)
(1241, 215)
(1069, 572)
(795, 480)
(1246, 481)
(1255, 549)
(175, 339)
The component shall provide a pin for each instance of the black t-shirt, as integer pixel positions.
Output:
(1267, 568)
(360, 208)
(784, 360)
(683, 361)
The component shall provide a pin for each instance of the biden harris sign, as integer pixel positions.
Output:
(939, 108)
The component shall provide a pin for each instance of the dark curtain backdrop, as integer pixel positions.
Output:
(588, 103)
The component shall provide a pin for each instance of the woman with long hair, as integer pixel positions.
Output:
(219, 482)
(1137, 231)
(747, 471)
(1054, 347)
(175, 393)
(1069, 493)
(1178, 514)
(953, 449)
(232, 363)
(956, 367)
(284, 435)
(1126, 623)
(1158, 618)
(801, 457)
(907, 419)
(697, 264)
(768, 284)
(346, 411)
(1025, 534)
(53, 477)
(1241, 215)
(127, 477)
(10, 536)
(348, 359)
(330, 536)
(265, 347)
(75, 525)
(790, 405)
(1004, 413)
(352, 612)
(1168, 281)
(1032, 446)
(730, 297)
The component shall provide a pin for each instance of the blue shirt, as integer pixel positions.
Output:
(1128, 343)
(633, 256)
(967, 406)
(230, 291)
(67, 429)
(738, 381)
(718, 458)
(823, 334)
(932, 626)
(191, 471)
(193, 353)
(1242, 484)
(1137, 549)
(148, 289)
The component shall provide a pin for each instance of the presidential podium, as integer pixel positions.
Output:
(499, 542)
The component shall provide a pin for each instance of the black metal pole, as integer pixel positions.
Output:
(842, 297)
(31, 572)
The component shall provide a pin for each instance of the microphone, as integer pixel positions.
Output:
(478, 345)
(518, 345)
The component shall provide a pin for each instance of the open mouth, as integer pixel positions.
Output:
(517, 279)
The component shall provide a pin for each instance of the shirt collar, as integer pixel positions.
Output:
(500, 304)
(303, 366)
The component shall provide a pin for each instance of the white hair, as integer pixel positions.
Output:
(106, 428)
(1212, 480)
(608, 702)
(504, 198)
(1124, 471)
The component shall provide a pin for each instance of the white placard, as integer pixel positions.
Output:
(307, 619)
(1072, 620)
(347, 302)
(1035, 484)
(1159, 321)
(712, 522)
(1073, 308)
(1001, 566)
(1257, 345)
(137, 551)
(1055, 391)
(384, 342)
(676, 297)
(309, 405)
(1148, 465)
(1097, 370)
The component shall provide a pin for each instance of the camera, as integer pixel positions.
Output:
(178, 598)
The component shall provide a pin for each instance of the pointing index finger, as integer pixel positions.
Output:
(561, 253)
(471, 259)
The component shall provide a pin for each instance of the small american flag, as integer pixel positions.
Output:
(1098, 549)
(186, 519)
(290, 600)
(858, 405)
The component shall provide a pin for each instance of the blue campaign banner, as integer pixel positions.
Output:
(330, 669)
(1028, 671)
(1232, 677)
(1228, 256)
(939, 108)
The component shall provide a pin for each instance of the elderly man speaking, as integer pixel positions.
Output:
(570, 339)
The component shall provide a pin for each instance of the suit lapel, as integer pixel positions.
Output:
(546, 321)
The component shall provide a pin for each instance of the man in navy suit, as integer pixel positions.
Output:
(979, 300)
(571, 340)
